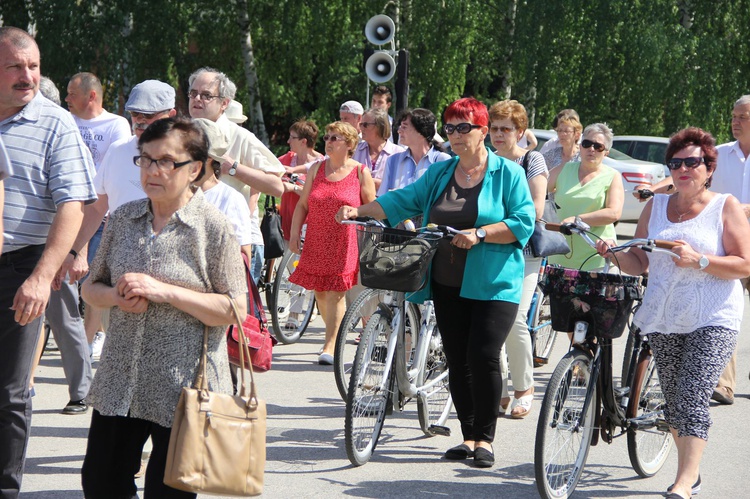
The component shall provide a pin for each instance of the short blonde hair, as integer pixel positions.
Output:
(571, 122)
(512, 110)
(347, 131)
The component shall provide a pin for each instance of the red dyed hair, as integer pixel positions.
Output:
(468, 109)
(694, 136)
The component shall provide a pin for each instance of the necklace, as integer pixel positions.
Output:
(681, 215)
(470, 173)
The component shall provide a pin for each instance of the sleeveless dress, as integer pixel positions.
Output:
(330, 258)
(680, 300)
(576, 199)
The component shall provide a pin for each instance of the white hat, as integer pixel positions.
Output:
(218, 145)
(352, 106)
(234, 112)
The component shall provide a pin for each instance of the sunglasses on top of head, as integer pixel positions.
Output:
(460, 128)
(676, 163)
(585, 144)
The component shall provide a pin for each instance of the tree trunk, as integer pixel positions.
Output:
(510, 29)
(255, 113)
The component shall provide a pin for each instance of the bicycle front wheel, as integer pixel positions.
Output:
(369, 390)
(434, 401)
(293, 305)
(541, 325)
(648, 446)
(564, 430)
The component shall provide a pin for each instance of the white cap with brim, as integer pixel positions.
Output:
(218, 144)
(151, 96)
(234, 112)
(352, 106)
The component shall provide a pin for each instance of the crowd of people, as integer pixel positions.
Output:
(155, 214)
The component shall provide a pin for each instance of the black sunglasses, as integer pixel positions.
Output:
(676, 163)
(586, 143)
(460, 128)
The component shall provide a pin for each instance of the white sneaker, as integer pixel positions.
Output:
(97, 344)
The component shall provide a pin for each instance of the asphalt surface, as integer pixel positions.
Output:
(306, 455)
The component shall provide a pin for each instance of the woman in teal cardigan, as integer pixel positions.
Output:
(475, 278)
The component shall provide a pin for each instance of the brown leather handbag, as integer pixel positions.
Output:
(218, 441)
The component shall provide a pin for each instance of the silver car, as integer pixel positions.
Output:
(634, 173)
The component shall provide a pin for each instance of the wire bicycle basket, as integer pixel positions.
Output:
(604, 300)
(395, 259)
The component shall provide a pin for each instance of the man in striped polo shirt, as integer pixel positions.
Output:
(44, 200)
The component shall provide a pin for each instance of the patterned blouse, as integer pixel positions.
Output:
(149, 357)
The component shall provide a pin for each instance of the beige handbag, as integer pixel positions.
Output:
(218, 441)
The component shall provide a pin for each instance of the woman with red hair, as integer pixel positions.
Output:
(476, 278)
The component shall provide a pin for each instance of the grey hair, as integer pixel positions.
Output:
(381, 121)
(742, 101)
(603, 129)
(227, 88)
(48, 89)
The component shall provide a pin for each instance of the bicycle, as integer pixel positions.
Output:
(353, 325)
(539, 322)
(289, 298)
(581, 396)
(396, 260)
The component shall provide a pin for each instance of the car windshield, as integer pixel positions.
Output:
(619, 156)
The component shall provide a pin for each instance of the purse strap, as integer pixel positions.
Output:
(270, 204)
(256, 305)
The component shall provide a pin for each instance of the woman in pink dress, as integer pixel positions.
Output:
(330, 263)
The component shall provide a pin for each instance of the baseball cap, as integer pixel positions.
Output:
(218, 144)
(352, 106)
(150, 96)
(234, 112)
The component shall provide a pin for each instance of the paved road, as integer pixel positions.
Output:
(306, 455)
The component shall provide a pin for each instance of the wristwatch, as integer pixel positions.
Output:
(74, 253)
(481, 234)
(703, 262)
(233, 169)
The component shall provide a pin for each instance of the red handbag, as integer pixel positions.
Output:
(258, 336)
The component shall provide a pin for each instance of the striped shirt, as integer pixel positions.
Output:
(51, 166)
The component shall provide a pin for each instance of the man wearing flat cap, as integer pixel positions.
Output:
(351, 112)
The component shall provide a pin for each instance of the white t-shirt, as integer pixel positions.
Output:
(732, 174)
(100, 132)
(233, 205)
(118, 177)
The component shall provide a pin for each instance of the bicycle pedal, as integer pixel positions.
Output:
(541, 361)
(440, 430)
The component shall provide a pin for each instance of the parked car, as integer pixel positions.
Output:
(634, 173)
(641, 147)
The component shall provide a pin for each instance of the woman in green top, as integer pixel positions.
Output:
(591, 190)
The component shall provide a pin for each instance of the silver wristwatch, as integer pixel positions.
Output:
(481, 234)
(703, 262)
(233, 169)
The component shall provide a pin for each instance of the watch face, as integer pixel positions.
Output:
(481, 233)
(703, 262)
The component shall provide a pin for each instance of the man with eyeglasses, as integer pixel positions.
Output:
(44, 198)
(248, 166)
(118, 181)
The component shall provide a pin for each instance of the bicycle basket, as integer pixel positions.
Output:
(604, 300)
(394, 259)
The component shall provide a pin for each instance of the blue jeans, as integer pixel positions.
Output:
(256, 266)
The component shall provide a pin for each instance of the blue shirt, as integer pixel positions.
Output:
(401, 169)
(493, 271)
(51, 166)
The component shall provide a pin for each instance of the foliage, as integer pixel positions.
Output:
(645, 67)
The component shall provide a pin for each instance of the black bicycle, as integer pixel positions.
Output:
(582, 401)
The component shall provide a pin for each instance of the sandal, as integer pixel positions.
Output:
(504, 406)
(292, 324)
(524, 403)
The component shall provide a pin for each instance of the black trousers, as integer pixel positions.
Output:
(473, 332)
(113, 457)
(17, 349)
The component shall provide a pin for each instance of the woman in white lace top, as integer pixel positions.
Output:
(693, 305)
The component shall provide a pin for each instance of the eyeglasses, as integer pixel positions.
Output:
(460, 128)
(204, 96)
(135, 115)
(293, 137)
(503, 129)
(163, 164)
(586, 143)
(367, 124)
(333, 138)
(565, 131)
(676, 163)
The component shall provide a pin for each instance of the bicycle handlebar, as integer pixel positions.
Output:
(581, 228)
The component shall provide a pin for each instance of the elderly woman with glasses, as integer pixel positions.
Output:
(375, 148)
(694, 302)
(567, 150)
(476, 277)
(591, 190)
(329, 264)
(165, 266)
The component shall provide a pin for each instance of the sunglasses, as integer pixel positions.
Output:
(333, 138)
(460, 128)
(145, 116)
(503, 129)
(596, 145)
(366, 124)
(676, 163)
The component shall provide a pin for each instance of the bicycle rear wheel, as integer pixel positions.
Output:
(434, 402)
(293, 305)
(648, 446)
(564, 431)
(541, 325)
(369, 392)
